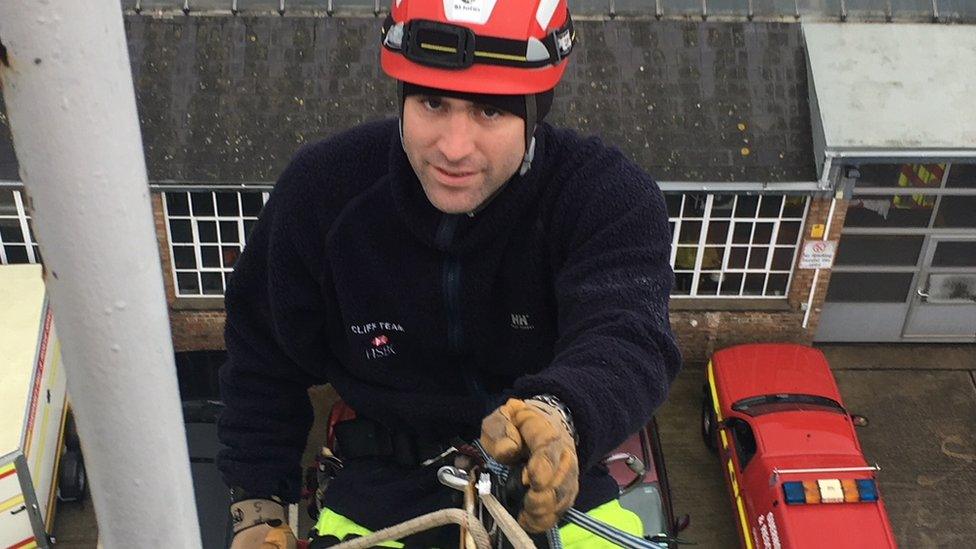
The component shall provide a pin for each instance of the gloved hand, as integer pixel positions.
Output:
(260, 524)
(539, 434)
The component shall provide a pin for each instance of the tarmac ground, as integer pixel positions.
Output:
(920, 401)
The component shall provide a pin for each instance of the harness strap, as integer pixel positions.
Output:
(362, 437)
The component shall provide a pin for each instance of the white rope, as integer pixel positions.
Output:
(424, 522)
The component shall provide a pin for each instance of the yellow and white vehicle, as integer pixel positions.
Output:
(32, 410)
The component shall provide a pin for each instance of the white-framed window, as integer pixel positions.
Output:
(17, 241)
(206, 231)
(734, 246)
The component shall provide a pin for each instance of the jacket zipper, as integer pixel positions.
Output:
(452, 282)
(452, 298)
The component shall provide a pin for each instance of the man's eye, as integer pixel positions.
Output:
(489, 112)
(432, 103)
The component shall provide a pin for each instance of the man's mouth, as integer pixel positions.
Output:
(453, 177)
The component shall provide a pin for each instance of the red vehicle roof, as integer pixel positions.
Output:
(811, 434)
(772, 368)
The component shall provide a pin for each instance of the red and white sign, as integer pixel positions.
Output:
(818, 254)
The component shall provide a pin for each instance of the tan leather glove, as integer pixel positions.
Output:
(537, 433)
(251, 528)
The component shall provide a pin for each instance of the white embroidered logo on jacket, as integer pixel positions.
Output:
(521, 322)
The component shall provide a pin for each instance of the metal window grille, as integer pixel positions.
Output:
(17, 242)
(734, 246)
(206, 231)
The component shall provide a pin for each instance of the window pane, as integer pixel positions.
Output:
(682, 283)
(763, 233)
(754, 284)
(757, 257)
(746, 206)
(177, 204)
(690, 231)
(776, 285)
(722, 205)
(252, 203)
(901, 175)
(180, 230)
(184, 258)
(207, 231)
(961, 176)
(794, 207)
(708, 283)
(213, 283)
(210, 256)
(789, 232)
(742, 233)
(7, 204)
(16, 254)
(950, 288)
(10, 231)
(229, 255)
(737, 257)
(673, 202)
(694, 205)
(717, 232)
(891, 211)
(878, 250)
(770, 206)
(712, 257)
(37, 254)
(684, 258)
(227, 205)
(202, 203)
(731, 283)
(229, 232)
(188, 283)
(782, 259)
(869, 287)
(955, 254)
(956, 211)
(248, 227)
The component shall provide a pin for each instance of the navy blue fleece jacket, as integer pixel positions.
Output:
(425, 321)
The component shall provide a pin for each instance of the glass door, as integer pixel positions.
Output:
(943, 304)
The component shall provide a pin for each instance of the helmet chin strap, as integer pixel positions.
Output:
(399, 92)
(530, 119)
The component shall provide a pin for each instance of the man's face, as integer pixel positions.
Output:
(461, 151)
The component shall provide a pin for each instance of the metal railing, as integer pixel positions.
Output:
(829, 10)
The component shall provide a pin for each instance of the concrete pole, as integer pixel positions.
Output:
(69, 95)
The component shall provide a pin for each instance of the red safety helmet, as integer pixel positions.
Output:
(478, 46)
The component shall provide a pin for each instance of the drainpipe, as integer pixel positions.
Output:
(816, 273)
(69, 95)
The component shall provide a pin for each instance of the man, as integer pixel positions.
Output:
(467, 272)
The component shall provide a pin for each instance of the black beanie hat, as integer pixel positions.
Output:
(514, 104)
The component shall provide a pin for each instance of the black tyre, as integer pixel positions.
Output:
(71, 441)
(708, 422)
(72, 480)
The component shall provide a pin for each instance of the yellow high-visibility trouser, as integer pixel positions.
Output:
(572, 536)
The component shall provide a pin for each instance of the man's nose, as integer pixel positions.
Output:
(457, 137)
